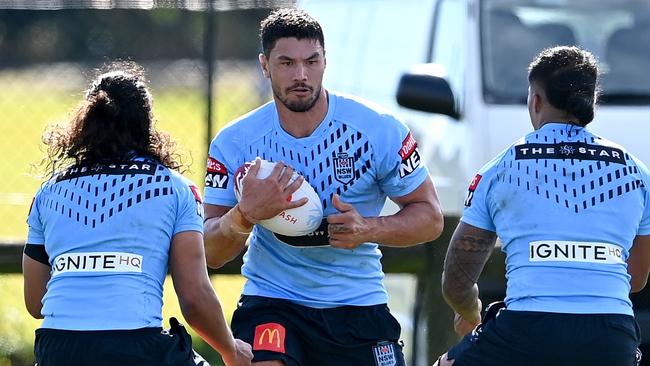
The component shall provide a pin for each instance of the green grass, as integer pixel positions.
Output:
(17, 326)
(27, 108)
(29, 103)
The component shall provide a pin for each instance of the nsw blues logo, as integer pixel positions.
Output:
(343, 168)
(384, 353)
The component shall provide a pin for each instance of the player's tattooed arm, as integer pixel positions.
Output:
(468, 251)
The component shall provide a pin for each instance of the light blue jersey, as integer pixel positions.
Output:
(107, 231)
(385, 162)
(566, 205)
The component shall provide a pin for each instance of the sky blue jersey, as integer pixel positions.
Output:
(385, 163)
(107, 230)
(566, 205)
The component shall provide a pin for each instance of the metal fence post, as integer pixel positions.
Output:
(210, 38)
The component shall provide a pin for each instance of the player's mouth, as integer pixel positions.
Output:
(301, 91)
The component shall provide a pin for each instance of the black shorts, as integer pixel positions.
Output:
(138, 347)
(515, 338)
(304, 336)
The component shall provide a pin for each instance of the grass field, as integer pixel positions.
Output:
(29, 104)
(17, 326)
(31, 101)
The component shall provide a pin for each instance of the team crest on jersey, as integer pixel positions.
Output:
(384, 354)
(216, 175)
(410, 156)
(471, 189)
(343, 168)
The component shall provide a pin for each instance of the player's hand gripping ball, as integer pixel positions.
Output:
(292, 222)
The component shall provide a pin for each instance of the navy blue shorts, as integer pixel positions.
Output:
(304, 336)
(515, 338)
(138, 347)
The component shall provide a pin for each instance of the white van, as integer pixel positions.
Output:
(466, 71)
(481, 49)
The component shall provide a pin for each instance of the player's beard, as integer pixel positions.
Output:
(299, 105)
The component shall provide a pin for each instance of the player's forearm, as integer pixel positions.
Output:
(35, 278)
(225, 237)
(638, 263)
(204, 314)
(467, 254)
(464, 302)
(414, 224)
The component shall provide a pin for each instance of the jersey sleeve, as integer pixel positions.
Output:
(223, 161)
(189, 215)
(477, 208)
(36, 232)
(400, 168)
(644, 225)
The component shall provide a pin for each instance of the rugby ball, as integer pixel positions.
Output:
(292, 222)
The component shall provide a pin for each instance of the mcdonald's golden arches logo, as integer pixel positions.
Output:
(269, 337)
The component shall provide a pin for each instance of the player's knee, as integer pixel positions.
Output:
(268, 363)
(443, 361)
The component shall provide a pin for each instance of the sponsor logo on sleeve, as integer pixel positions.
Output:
(575, 251)
(410, 156)
(343, 168)
(199, 200)
(216, 175)
(269, 337)
(97, 262)
(470, 191)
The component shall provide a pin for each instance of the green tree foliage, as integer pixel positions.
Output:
(85, 35)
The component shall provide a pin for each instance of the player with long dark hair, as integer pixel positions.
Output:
(103, 231)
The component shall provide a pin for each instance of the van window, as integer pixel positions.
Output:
(616, 31)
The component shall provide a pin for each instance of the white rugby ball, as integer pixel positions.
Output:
(292, 222)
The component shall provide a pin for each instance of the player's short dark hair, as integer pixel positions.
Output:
(570, 79)
(287, 23)
(113, 123)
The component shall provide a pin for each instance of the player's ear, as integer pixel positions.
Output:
(264, 64)
(537, 102)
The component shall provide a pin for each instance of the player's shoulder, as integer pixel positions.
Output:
(624, 153)
(507, 154)
(364, 114)
(255, 122)
(600, 140)
(48, 184)
(177, 178)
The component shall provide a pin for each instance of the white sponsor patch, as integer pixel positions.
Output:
(575, 251)
(97, 262)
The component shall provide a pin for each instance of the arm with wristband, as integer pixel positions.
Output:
(226, 228)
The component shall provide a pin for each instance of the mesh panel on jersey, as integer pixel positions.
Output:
(572, 183)
(316, 163)
(111, 195)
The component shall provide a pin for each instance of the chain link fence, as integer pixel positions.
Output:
(48, 57)
(202, 68)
